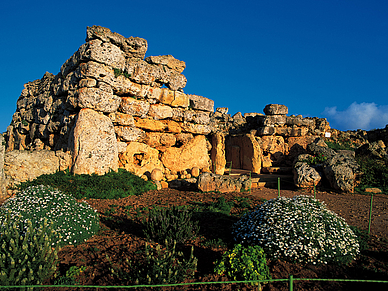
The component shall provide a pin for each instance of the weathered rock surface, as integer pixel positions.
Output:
(21, 166)
(305, 176)
(208, 182)
(192, 154)
(140, 158)
(217, 153)
(340, 170)
(95, 145)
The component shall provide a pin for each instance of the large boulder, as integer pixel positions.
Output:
(94, 144)
(305, 175)
(208, 182)
(340, 170)
(192, 154)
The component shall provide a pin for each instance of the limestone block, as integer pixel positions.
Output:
(167, 96)
(160, 111)
(172, 126)
(275, 109)
(21, 166)
(95, 145)
(99, 99)
(192, 154)
(217, 153)
(271, 120)
(121, 85)
(133, 47)
(140, 158)
(195, 128)
(299, 131)
(98, 51)
(180, 100)
(149, 124)
(167, 60)
(201, 103)
(129, 133)
(155, 93)
(183, 138)
(157, 139)
(122, 119)
(134, 107)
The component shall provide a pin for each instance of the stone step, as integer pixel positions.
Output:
(261, 180)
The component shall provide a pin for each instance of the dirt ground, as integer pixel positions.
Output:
(121, 237)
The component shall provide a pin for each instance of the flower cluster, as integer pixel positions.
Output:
(299, 229)
(72, 221)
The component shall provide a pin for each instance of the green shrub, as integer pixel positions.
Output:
(374, 174)
(244, 263)
(27, 255)
(112, 185)
(158, 266)
(299, 229)
(70, 278)
(341, 145)
(170, 224)
(316, 159)
(72, 221)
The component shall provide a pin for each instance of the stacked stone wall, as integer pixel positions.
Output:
(111, 107)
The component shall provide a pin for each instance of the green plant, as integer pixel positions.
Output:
(299, 229)
(112, 185)
(119, 72)
(316, 159)
(341, 144)
(27, 254)
(374, 174)
(169, 224)
(244, 263)
(70, 278)
(158, 266)
(72, 221)
(220, 206)
(214, 243)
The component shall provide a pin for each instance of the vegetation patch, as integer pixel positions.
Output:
(374, 174)
(299, 229)
(73, 222)
(27, 255)
(112, 185)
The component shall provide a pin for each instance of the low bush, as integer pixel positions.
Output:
(299, 229)
(243, 263)
(157, 266)
(112, 185)
(72, 221)
(170, 224)
(27, 255)
(374, 174)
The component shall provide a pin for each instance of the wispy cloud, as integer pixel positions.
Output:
(364, 116)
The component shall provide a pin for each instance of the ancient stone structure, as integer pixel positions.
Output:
(111, 107)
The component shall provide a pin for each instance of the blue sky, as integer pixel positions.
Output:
(320, 58)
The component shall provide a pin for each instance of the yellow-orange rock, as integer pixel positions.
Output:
(150, 124)
(140, 158)
(192, 154)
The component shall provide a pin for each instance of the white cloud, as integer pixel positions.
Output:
(364, 116)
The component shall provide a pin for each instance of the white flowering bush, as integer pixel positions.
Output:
(299, 229)
(72, 221)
